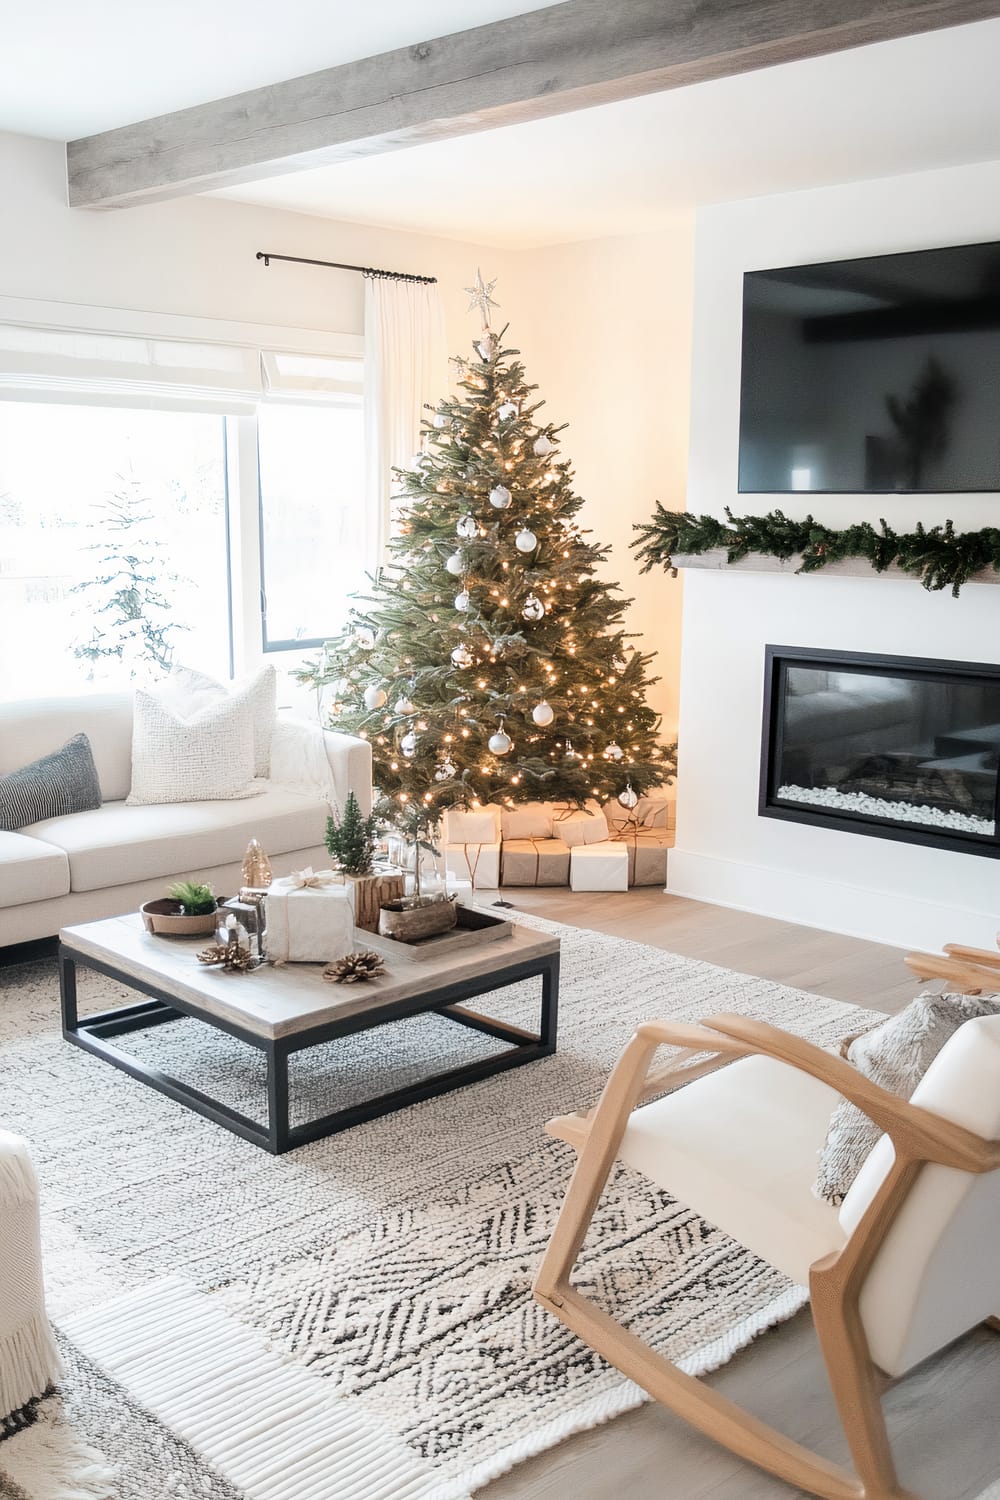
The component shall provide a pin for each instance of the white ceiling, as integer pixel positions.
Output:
(69, 68)
(73, 67)
(903, 106)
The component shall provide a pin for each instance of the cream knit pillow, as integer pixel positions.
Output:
(187, 691)
(206, 758)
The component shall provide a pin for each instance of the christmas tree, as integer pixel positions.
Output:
(490, 663)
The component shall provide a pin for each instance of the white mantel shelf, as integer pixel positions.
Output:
(847, 567)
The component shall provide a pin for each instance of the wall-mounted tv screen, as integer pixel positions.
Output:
(879, 375)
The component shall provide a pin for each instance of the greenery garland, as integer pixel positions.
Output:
(939, 556)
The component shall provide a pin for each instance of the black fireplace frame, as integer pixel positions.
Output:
(930, 669)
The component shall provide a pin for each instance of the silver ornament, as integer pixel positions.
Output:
(542, 446)
(364, 637)
(446, 771)
(500, 497)
(628, 798)
(619, 663)
(441, 421)
(543, 713)
(404, 706)
(375, 697)
(418, 460)
(525, 541)
(533, 608)
(614, 752)
(467, 528)
(408, 744)
(463, 600)
(486, 347)
(501, 742)
(506, 411)
(454, 565)
(462, 656)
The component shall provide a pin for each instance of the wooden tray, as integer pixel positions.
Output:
(473, 929)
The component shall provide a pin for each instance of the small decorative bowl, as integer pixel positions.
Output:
(165, 918)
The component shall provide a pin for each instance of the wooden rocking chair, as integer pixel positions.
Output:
(907, 1264)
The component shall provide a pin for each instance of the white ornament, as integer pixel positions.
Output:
(418, 460)
(486, 347)
(543, 713)
(533, 608)
(525, 541)
(404, 706)
(462, 656)
(501, 742)
(375, 697)
(408, 745)
(455, 565)
(542, 446)
(619, 663)
(500, 497)
(446, 770)
(628, 798)
(508, 409)
(463, 600)
(440, 420)
(614, 752)
(467, 527)
(364, 637)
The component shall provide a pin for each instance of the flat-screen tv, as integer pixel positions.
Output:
(876, 376)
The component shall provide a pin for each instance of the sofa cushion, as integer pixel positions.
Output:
(64, 781)
(187, 691)
(37, 726)
(117, 844)
(31, 870)
(205, 758)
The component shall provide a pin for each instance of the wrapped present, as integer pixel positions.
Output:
(479, 863)
(532, 820)
(599, 867)
(472, 825)
(580, 826)
(647, 851)
(310, 918)
(534, 861)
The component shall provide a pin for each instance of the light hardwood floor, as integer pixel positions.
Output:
(943, 1418)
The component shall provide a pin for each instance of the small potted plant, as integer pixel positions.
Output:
(419, 915)
(189, 908)
(351, 842)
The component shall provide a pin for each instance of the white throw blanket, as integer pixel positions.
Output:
(29, 1360)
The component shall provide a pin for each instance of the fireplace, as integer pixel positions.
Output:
(893, 747)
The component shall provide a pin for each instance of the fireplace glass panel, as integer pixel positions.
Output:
(916, 751)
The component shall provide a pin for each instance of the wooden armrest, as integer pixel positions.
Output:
(915, 1132)
(963, 973)
(989, 958)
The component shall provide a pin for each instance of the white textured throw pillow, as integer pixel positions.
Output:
(206, 758)
(187, 691)
(895, 1054)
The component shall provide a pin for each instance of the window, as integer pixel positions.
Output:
(174, 498)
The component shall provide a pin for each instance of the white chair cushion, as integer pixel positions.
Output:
(117, 844)
(739, 1146)
(937, 1273)
(36, 727)
(30, 870)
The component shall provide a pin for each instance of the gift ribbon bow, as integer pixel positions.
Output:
(310, 879)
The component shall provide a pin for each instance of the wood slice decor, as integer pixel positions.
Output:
(371, 892)
(409, 924)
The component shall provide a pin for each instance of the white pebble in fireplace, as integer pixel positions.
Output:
(861, 804)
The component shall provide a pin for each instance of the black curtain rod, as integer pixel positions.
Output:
(337, 265)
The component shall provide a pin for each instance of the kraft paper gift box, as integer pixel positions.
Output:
(580, 826)
(599, 867)
(647, 855)
(310, 918)
(534, 861)
(475, 862)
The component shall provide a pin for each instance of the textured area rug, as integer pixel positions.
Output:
(390, 1267)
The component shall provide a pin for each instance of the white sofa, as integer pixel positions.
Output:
(99, 863)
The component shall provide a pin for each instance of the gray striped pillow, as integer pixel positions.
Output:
(63, 782)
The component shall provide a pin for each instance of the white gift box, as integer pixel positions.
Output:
(581, 827)
(309, 923)
(477, 863)
(598, 867)
(472, 825)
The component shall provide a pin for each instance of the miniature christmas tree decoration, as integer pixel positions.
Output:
(256, 869)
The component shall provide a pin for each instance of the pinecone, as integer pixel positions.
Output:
(228, 956)
(355, 968)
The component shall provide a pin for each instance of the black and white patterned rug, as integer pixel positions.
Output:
(354, 1318)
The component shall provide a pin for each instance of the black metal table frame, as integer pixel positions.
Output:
(278, 1135)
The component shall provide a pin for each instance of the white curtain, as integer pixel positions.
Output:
(406, 364)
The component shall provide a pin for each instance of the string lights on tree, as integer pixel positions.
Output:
(522, 685)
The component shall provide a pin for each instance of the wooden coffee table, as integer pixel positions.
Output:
(283, 1010)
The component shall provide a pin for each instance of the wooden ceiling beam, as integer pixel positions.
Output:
(565, 57)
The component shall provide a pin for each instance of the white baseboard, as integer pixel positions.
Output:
(879, 916)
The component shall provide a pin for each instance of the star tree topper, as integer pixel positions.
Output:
(479, 296)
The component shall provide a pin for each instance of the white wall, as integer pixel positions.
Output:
(894, 892)
(609, 343)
